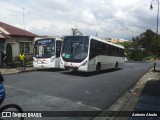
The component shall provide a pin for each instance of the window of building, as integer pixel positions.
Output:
(24, 47)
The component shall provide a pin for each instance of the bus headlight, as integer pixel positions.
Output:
(34, 60)
(61, 62)
(52, 59)
(84, 63)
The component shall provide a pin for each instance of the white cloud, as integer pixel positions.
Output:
(124, 3)
(116, 18)
(88, 16)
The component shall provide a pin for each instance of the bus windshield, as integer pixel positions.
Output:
(44, 48)
(75, 48)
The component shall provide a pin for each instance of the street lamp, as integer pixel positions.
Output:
(151, 7)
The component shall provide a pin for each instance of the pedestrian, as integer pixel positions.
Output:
(2, 89)
(4, 62)
(22, 59)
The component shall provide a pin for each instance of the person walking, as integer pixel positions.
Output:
(4, 62)
(22, 59)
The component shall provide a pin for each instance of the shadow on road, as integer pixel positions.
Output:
(152, 88)
(51, 70)
(88, 74)
(149, 99)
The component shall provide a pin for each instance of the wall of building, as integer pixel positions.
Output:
(14, 42)
(116, 40)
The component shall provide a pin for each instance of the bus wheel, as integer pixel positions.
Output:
(98, 68)
(116, 66)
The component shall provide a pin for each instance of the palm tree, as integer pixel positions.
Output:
(76, 31)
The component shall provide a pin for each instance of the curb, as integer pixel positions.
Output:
(14, 71)
(9, 71)
(27, 70)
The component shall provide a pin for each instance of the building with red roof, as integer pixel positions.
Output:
(13, 40)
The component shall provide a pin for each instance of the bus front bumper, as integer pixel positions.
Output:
(40, 66)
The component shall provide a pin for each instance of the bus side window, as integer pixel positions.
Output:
(58, 48)
(106, 52)
(99, 48)
(109, 50)
(93, 49)
(114, 51)
(119, 52)
(122, 53)
(103, 49)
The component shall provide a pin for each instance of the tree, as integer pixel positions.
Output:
(143, 46)
(147, 40)
(76, 31)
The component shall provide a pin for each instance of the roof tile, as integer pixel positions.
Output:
(14, 31)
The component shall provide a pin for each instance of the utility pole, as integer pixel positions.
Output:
(23, 19)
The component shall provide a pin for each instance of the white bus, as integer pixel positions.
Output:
(47, 53)
(88, 53)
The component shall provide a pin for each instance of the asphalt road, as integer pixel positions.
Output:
(63, 90)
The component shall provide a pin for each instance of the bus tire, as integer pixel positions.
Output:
(98, 68)
(116, 66)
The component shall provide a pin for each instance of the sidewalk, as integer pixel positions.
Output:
(15, 70)
(143, 98)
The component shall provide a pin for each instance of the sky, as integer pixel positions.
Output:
(106, 18)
